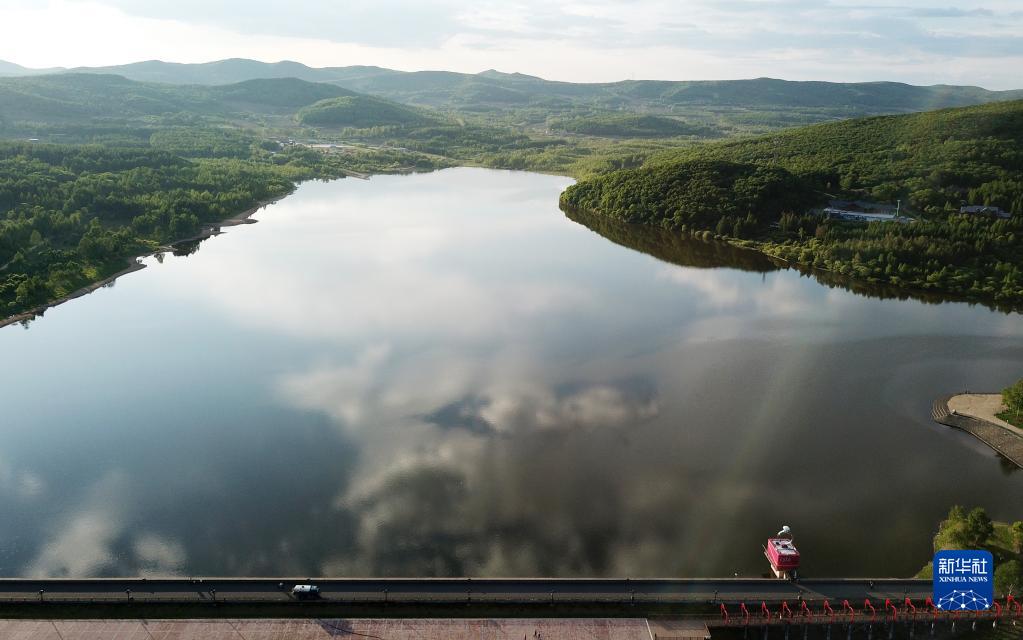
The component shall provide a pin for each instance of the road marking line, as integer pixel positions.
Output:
(56, 629)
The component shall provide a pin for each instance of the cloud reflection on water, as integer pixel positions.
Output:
(441, 374)
(82, 546)
(471, 455)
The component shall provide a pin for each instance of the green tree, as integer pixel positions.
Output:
(978, 527)
(1013, 397)
(1016, 530)
(1008, 577)
(952, 532)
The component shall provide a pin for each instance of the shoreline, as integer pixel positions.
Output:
(983, 406)
(1006, 442)
(209, 230)
(910, 291)
(762, 247)
(849, 282)
(90, 288)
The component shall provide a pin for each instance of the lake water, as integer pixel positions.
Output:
(442, 374)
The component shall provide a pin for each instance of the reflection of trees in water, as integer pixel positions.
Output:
(188, 247)
(1007, 466)
(688, 251)
(888, 292)
(884, 291)
(676, 248)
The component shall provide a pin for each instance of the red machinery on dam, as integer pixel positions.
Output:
(781, 552)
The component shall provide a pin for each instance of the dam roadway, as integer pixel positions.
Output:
(447, 591)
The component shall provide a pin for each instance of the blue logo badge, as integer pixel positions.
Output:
(964, 580)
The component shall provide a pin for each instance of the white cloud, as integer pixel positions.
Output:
(716, 291)
(587, 40)
(345, 392)
(599, 406)
(158, 556)
(80, 550)
(82, 546)
(416, 278)
(21, 483)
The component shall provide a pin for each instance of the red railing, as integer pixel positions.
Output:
(829, 611)
(826, 614)
(873, 611)
(805, 611)
(910, 608)
(848, 607)
(888, 606)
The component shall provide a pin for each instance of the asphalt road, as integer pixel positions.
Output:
(447, 590)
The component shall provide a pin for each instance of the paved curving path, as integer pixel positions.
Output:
(984, 406)
(1006, 440)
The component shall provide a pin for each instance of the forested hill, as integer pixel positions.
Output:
(495, 90)
(759, 191)
(79, 96)
(933, 161)
(361, 112)
(273, 93)
(631, 126)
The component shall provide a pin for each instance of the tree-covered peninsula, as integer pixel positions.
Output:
(762, 192)
(73, 215)
(98, 169)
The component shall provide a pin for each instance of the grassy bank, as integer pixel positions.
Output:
(974, 530)
(1013, 418)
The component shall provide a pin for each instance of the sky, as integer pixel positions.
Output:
(915, 41)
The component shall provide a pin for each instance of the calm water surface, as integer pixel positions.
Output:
(442, 374)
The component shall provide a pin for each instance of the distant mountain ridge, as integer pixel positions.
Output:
(8, 69)
(497, 90)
